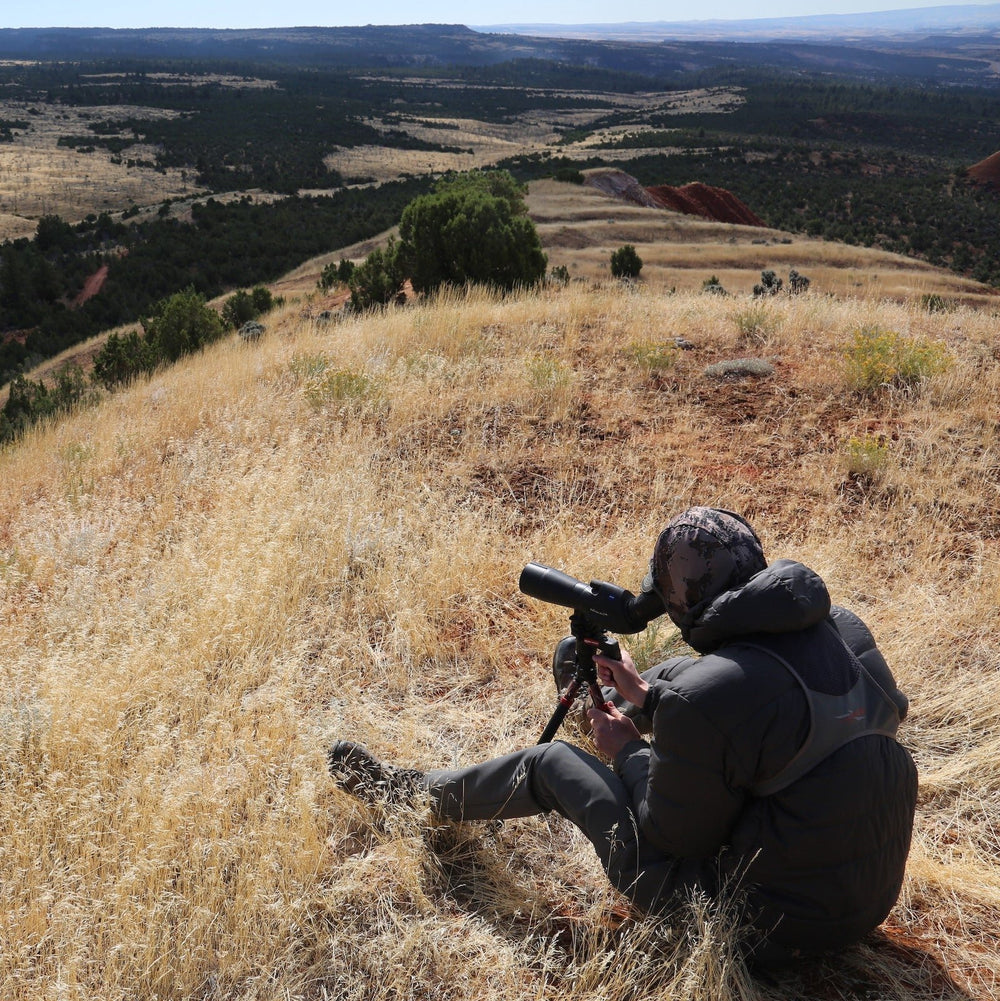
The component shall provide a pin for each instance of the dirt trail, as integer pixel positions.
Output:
(92, 285)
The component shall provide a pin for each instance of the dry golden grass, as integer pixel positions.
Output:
(581, 227)
(206, 578)
(39, 177)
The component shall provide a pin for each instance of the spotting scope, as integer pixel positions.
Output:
(607, 606)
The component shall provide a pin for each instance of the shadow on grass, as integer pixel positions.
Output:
(885, 966)
(480, 875)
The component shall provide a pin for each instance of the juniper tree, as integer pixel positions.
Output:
(472, 227)
(625, 262)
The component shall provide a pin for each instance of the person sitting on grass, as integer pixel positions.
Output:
(765, 769)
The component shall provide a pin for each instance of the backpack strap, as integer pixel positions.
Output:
(834, 720)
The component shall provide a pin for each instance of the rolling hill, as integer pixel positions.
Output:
(208, 576)
(580, 226)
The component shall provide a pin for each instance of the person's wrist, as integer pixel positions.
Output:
(639, 692)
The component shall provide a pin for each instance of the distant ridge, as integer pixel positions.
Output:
(942, 45)
(962, 19)
(378, 44)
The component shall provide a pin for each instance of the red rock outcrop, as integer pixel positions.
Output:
(703, 200)
(987, 172)
(618, 184)
(692, 199)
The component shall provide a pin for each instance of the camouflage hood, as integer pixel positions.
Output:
(708, 566)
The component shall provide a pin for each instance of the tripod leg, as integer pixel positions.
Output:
(565, 701)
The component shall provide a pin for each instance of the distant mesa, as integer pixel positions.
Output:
(987, 172)
(691, 199)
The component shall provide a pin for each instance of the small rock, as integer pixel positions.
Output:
(252, 330)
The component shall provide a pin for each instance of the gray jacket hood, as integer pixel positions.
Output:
(785, 597)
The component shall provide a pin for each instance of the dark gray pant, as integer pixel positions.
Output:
(581, 788)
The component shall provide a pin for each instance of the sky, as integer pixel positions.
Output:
(332, 13)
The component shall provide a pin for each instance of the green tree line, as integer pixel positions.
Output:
(226, 246)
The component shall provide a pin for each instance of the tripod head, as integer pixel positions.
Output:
(578, 650)
(590, 639)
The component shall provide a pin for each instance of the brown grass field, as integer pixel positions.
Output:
(39, 177)
(487, 143)
(206, 578)
(580, 228)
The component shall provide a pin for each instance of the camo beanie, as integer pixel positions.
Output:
(702, 553)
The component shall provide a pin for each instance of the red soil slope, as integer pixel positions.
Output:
(92, 285)
(987, 171)
(692, 199)
(701, 199)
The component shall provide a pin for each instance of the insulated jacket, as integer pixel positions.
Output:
(819, 861)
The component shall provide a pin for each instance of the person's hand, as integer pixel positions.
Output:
(610, 730)
(622, 676)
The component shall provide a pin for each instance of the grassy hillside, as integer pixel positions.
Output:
(580, 227)
(208, 577)
(249, 170)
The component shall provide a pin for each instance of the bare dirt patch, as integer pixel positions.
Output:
(987, 172)
(92, 285)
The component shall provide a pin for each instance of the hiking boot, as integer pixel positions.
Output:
(360, 773)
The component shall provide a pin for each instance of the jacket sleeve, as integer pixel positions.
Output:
(683, 796)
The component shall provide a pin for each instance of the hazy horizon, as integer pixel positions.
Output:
(255, 14)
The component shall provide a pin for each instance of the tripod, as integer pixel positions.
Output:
(586, 638)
